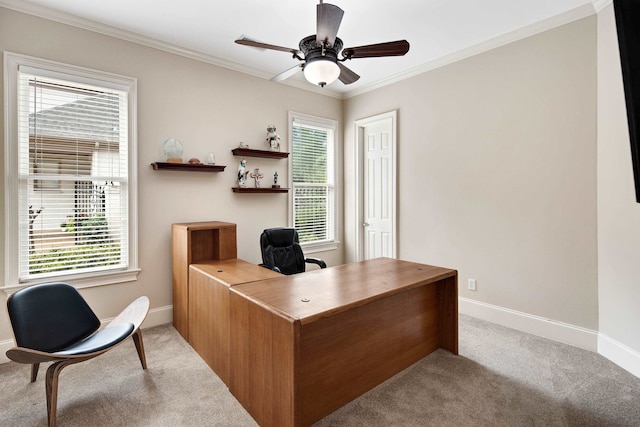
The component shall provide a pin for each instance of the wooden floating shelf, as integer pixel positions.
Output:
(259, 190)
(187, 167)
(248, 152)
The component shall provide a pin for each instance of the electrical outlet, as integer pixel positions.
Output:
(472, 285)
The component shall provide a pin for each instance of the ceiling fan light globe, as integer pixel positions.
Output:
(321, 72)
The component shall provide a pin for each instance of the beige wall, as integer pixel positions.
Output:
(618, 212)
(208, 109)
(497, 172)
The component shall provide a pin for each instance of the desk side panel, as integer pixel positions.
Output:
(262, 374)
(209, 321)
(345, 355)
(448, 303)
(180, 278)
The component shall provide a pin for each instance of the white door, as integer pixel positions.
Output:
(378, 208)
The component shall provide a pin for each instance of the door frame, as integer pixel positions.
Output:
(359, 180)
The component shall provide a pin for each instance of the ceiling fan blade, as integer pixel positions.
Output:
(397, 48)
(328, 21)
(248, 42)
(346, 75)
(287, 73)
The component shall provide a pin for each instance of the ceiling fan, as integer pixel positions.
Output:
(318, 53)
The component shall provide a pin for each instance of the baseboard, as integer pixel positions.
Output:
(4, 346)
(536, 325)
(158, 316)
(623, 356)
(155, 317)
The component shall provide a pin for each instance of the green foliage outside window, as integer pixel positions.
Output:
(89, 229)
(92, 248)
(70, 258)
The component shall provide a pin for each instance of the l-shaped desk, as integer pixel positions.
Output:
(293, 349)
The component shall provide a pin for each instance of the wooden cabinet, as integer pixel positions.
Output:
(191, 243)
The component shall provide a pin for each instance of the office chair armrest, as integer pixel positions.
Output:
(274, 268)
(316, 261)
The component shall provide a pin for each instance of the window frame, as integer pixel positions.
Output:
(329, 125)
(12, 61)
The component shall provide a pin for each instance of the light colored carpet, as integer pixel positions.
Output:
(502, 377)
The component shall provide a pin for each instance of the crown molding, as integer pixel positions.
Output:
(598, 5)
(504, 39)
(87, 24)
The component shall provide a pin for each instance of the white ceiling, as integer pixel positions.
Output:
(439, 31)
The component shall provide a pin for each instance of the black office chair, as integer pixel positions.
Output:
(53, 323)
(281, 251)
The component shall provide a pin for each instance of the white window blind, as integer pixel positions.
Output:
(73, 176)
(313, 180)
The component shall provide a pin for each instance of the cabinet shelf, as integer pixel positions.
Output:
(248, 152)
(259, 190)
(187, 167)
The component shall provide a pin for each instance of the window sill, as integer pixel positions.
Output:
(79, 281)
(310, 248)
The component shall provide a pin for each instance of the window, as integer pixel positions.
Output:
(70, 182)
(313, 178)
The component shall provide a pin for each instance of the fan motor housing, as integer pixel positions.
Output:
(312, 51)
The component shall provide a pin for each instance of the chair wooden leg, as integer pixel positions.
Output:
(137, 339)
(34, 372)
(52, 389)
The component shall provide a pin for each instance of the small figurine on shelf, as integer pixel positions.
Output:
(242, 174)
(243, 145)
(275, 181)
(272, 138)
(257, 175)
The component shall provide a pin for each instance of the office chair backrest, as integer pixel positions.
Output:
(281, 248)
(50, 317)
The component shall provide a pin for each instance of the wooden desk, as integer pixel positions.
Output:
(209, 284)
(295, 361)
